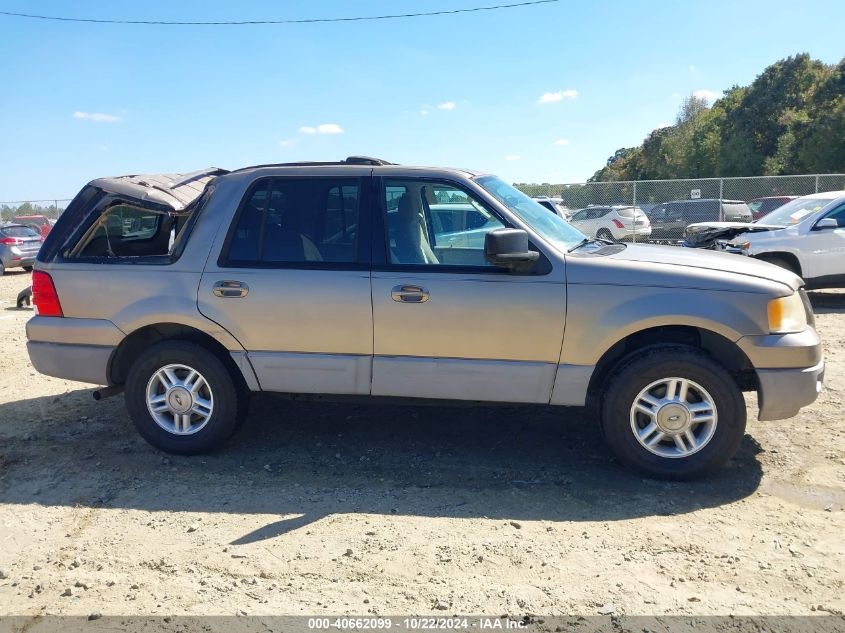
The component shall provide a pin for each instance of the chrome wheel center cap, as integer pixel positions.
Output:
(179, 400)
(673, 418)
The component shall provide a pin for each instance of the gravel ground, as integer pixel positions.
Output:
(328, 508)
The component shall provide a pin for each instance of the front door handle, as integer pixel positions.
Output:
(409, 294)
(230, 289)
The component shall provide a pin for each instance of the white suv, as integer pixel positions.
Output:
(805, 236)
(616, 223)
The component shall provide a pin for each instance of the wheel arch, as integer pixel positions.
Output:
(142, 338)
(788, 256)
(725, 351)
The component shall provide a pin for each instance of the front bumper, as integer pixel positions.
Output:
(783, 392)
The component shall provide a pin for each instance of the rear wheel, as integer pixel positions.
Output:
(2, 269)
(182, 398)
(672, 412)
(28, 269)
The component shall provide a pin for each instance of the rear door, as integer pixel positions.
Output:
(292, 283)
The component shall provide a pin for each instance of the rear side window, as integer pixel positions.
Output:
(296, 220)
(124, 230)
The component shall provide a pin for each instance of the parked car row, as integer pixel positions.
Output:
(664, 222)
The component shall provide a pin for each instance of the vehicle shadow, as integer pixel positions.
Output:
(306, 461)
(827, 302)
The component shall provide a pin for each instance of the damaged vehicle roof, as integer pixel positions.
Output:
(173, 190)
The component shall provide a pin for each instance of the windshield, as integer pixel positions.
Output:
(795, 211)
(551, 228)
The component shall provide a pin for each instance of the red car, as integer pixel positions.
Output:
(763, 206)
(38, 222)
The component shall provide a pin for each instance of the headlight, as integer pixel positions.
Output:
(787, 314)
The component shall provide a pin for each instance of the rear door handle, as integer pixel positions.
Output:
(409, 294)
(230, 289)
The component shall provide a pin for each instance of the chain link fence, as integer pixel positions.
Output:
(659, 211)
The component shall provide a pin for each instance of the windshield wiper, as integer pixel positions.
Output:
(586, 240)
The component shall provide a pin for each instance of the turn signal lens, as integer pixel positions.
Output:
(787, 314)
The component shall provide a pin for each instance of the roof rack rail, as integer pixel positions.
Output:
(365, 160)
(352, 160)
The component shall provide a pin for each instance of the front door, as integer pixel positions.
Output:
(825, 248)
(446, 324)
(292, 284)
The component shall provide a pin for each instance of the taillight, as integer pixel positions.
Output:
(618, 224)
(44, 295)
(11, 240)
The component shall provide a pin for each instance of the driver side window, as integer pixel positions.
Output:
(433, 223)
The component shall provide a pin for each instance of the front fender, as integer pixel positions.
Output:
(599, 316)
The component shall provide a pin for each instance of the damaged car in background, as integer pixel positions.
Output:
(805, 236)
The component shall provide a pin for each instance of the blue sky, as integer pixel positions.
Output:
(85, 100)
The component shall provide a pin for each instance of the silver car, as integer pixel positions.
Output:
(190, 292)
(19, 246)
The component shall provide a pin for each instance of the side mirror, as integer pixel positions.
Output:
(826, 223)
(508, 248)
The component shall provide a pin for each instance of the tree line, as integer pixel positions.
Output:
(9, 212)
(789, 120)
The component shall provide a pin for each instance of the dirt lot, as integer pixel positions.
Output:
(332, 508)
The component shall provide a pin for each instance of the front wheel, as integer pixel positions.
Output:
(182, 398)
(672, 412)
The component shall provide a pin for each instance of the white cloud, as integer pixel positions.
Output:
(323, 128)
(707, 95)
(448, 105)
(424, 112)
(513, 157)
(560, 95)
(692, 67)
(562, 141)
(287, 142)
(97, 116)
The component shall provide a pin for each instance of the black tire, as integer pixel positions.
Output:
(782, 262)
(2, 269)
(229, 403)
(638, 371)
(28, 269)
(604, 234)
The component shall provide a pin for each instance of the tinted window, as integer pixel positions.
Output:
(295, 220)
(19, 231)
(838, 215)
